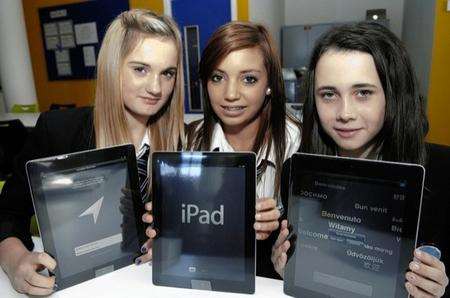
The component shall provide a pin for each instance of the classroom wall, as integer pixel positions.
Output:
(15, 61)
(80, 92)
(2, 104)
(270, 13)
(299, 12)
(242, 7)
(438, 99)
(274, 14)
(418, 27)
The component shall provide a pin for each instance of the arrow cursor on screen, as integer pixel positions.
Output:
(94, 209)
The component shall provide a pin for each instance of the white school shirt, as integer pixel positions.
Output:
(145, 142)
(266, 186)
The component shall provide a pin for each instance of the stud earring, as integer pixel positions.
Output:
(268, 91)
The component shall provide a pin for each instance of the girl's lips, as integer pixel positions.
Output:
(150, 100)
(347, 132)
(233, 111)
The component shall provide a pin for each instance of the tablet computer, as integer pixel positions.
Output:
(204, 211)
(88, 210)
(356, 224)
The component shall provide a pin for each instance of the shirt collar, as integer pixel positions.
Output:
(145, 143)
(220, 143)
(262, 155)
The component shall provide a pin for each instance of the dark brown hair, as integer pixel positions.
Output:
(231, 37)
(402, 138)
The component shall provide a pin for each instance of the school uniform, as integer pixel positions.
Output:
(265, 184)
(56, 132)
(434, 219)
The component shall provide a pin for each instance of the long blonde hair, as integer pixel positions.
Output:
(166, 129)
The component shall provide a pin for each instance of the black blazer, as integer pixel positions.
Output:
(56, 132)
(434, 218)
(434, 221)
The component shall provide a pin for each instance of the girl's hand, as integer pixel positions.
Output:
(22, 267)
(280, 248)
(267, 215)
(427, 278)
(146, 249)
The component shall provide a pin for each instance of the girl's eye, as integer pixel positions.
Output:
(250, 80)
(140, 70)
(327, 95)
(364, 93)
(216, 78)
(169, 74)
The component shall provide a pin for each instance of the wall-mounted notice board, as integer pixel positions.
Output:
(72, 35)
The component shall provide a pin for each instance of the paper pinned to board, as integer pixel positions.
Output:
(62, 56)
(64, 69)
(65, 27)
(89, 56)
(50, 29)
(67, 41)
(86, 33)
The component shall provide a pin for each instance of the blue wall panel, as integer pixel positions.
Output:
(208, 15)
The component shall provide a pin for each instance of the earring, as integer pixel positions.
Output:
(268, 91)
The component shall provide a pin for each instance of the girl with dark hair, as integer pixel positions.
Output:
(362, 101)
(244, 110)
(401, 134)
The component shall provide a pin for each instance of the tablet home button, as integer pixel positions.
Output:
(104, 270)
(201, 284)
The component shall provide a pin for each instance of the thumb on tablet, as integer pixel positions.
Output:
(44, 260)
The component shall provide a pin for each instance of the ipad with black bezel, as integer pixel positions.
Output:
(356, 224)
(88, 210)
(204, 211)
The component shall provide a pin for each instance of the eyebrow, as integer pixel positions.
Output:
(364, 85)
(359, 85)
(138, 62)
(326, 88)
(243, 71)
(148, 65)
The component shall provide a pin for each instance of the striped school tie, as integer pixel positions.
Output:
(142, 172)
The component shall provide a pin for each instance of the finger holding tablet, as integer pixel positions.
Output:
(150, 232)
(427, 273)
(266, 218)
(280, 248)
(24, 274)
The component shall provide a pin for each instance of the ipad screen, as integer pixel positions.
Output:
(83, 204)
(202, 234)
(349, 234)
